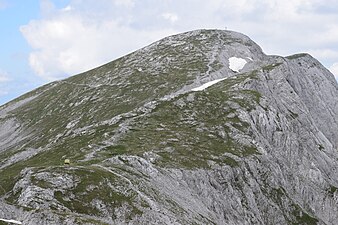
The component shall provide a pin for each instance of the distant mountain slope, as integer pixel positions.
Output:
(197, 128)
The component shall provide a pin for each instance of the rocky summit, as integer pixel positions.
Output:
(198, 128)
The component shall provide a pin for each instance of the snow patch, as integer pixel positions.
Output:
(206, 85)
(11, 221)
(236, 64)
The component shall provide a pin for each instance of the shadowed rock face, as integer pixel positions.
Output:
(173, 134)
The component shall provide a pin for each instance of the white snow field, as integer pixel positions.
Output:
(236, 64)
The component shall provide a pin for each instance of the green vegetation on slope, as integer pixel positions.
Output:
(193, 129)
(70, 119)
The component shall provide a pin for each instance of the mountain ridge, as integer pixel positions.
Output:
(258, 146)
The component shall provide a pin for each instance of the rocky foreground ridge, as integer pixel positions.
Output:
(197, 128)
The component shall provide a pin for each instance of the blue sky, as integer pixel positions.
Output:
(16, 75)
(46, 40)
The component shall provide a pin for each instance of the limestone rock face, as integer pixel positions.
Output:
(197, 128)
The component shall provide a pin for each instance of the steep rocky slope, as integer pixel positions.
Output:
(197, 128)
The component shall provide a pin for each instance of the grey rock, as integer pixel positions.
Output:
(258, 147)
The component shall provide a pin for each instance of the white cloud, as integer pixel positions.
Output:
(3, 77)
(170, 16)
(125, 3)
(88, 33)
(67, 8)
(324, 53)
(334, 70)
(68, 43)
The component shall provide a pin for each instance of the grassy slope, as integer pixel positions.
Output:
(184, 133)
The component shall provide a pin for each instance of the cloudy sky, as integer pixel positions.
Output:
(47, 40)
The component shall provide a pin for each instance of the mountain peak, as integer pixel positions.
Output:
(231, 42)
(215, 37)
